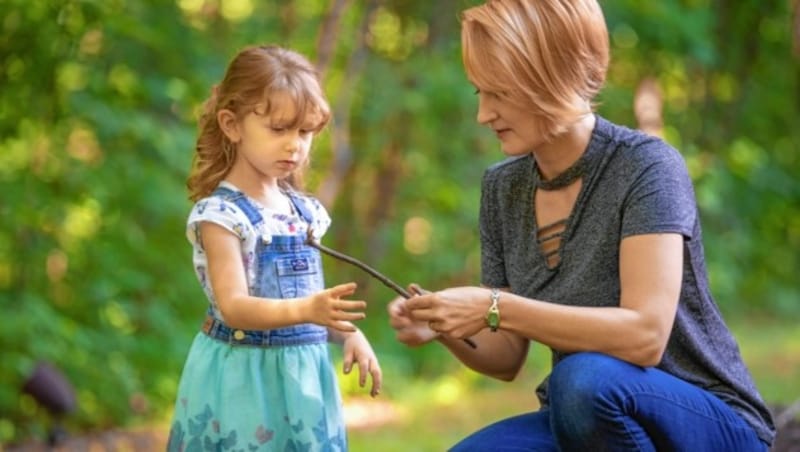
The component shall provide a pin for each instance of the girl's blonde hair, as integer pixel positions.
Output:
(254, 76)
(548, 56)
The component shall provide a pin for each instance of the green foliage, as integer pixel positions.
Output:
(730, 97)
(97, 129)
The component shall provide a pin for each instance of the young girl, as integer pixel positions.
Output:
(259, 375)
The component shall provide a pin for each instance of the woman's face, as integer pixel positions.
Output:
(516, 127)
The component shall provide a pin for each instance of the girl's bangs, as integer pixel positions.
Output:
(310, 109)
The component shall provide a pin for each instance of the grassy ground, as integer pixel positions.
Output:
(771, 349)
(433, 414)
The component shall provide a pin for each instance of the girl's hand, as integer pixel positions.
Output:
(326, 308)
(408, 330)
(356, 349)
(457, 312)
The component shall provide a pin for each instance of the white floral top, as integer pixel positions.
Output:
(226, 214)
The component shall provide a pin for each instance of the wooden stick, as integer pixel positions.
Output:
(372, 272)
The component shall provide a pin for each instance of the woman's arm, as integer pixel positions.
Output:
(651, 271)
(498, 354)
(637, 331)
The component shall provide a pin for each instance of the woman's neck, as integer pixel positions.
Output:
(555, 157)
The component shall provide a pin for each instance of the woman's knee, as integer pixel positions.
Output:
(580, 379)
(581, 392)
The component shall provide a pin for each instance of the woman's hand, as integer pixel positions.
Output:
(453, 315)
(356, 350)
(408, 330)
(326, 308)
(458, 312)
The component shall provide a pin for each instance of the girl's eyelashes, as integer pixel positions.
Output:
(275, 126)
(283, 129)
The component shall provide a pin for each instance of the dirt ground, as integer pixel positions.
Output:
(108, 441)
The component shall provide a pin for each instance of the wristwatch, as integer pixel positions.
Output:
(493, 314)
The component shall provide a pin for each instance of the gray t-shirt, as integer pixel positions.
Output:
(637, 184)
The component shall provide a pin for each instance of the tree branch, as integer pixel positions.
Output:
(328, 35)
(342, 152)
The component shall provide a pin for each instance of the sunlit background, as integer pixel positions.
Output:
(98, 101)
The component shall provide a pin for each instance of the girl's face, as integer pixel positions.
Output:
(516, 128)
(269, 145)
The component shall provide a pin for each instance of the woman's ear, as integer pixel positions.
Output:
(228, 123)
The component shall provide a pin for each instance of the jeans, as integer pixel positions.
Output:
(600, 403)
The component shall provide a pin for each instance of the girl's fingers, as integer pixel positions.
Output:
(347, 363)
(363, 369)
(350, 305)
(348, 316)
(370, 368)
(377, 379)
(343, 289)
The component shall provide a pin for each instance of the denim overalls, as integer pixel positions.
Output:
(287, 268)
(269, 390)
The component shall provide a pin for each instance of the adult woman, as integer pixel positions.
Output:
(591, 245)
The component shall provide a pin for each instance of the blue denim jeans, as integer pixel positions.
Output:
(599, 403)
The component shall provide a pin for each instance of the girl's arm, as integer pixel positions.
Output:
(356, 349)
(339, 336)
(226, 273)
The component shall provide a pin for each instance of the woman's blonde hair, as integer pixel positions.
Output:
(549, 56)
(254, 76)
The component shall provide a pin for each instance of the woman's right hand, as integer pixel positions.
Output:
(407, 330)
(326, 308)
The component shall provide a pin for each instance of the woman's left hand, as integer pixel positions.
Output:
(457, 312)
(356, 350)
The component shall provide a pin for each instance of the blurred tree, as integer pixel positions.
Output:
(97, 128)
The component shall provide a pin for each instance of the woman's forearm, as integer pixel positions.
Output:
(498, 354)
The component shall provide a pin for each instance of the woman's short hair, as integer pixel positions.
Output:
(550, 56)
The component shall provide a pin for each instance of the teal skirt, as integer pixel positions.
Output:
(257, 399)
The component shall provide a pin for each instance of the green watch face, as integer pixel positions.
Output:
(493, 319)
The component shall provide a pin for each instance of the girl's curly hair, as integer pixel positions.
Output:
(252, 78)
